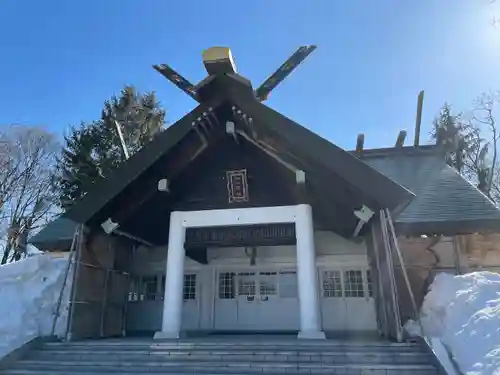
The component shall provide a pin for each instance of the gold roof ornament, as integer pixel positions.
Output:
(218, 60)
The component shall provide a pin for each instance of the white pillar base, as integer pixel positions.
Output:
(311, 335)
(161, 335)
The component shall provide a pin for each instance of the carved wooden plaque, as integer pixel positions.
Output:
(237, 186)
(242, 235)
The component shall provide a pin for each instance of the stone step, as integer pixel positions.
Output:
(232, 348)
(182, 367)
(239, 341)
(235, 355)
(295, 345)
(329, 372)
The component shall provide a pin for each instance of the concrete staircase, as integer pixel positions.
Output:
(225, 356)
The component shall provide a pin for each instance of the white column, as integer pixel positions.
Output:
(310, 321)
(174, 280)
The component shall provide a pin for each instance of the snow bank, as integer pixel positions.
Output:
(464, 313)
(29, 291)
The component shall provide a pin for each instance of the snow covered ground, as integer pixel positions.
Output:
(29, 290)
(464, 313)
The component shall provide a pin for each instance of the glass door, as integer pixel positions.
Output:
(248, 304)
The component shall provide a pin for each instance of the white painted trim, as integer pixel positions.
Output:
(333, 260)
(215, 292)
(307, 272)
(238, 216)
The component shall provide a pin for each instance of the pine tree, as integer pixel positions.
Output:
(93, 150)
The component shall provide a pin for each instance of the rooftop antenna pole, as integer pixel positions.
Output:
(418, 120)
(122, 140)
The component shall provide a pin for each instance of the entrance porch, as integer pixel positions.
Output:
(307, 277)
(237, 291)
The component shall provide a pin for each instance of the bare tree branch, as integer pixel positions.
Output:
(487, 158)
(28, 156)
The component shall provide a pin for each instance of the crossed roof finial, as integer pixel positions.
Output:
(219, 60)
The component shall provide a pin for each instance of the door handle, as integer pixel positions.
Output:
(265, 298)
(250, 298)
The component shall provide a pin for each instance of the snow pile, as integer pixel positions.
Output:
(464, 313)
(29, 291)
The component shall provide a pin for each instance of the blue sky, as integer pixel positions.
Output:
(61, 59)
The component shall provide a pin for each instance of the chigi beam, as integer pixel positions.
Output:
(177, 79)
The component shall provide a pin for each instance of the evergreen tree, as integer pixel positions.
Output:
(93, 150)
(465, 149)
(452, 136)
(78, 167)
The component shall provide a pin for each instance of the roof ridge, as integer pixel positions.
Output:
(399, 151)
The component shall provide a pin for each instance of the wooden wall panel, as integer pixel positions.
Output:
(100, 290)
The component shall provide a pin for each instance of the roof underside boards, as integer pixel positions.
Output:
(445, 202)
(107, 189)
(202, 186)
(309, 146)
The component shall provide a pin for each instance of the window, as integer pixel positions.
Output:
(226, 285)
(332, 284)
(246, 284)
(189, 290)
(288, 284)
(133, 292)
(148, 288)
(369, 284)
(353, 283)
(143, 288)
(267, 284)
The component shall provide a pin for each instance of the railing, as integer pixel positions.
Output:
(439, 350)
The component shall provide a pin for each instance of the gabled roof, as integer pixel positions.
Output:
(303, 143)
(445, 202)
(394, 175)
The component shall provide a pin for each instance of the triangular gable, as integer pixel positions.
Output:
(381, 191)
(333, 170)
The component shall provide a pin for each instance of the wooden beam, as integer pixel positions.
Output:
(401, 138)
(418, 120)
(360, 141)
(263, 147)
(300, 191)
(329, 184)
